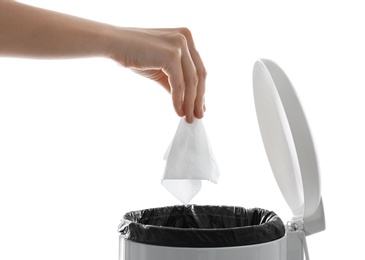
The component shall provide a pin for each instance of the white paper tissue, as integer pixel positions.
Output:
(189, 160)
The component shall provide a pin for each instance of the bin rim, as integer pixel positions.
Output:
(140, 226)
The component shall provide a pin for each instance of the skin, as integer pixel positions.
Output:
(166, 56)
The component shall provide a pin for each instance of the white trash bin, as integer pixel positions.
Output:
(234, 233)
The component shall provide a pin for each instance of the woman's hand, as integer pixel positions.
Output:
(169, 57)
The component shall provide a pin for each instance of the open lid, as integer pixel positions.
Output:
(288, 144)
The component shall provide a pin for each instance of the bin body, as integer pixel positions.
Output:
(275, 250)
(202, 232)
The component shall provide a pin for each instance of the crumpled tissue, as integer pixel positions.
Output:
(189, 160)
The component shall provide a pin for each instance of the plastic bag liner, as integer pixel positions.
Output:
(201, 226)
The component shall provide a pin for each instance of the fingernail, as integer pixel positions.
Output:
(201, 113)
(180, 112)
(189, 119)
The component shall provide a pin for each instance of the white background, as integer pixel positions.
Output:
(82, 141)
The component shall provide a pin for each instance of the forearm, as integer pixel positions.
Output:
(27, 31)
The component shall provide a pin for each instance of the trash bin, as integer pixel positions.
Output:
(235, 233)
(169, 229)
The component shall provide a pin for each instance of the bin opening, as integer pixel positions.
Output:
(201, 226)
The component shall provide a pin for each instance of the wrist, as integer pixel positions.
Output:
(114, 42)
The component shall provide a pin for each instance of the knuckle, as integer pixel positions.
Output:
(176, 39)
(186, 32)
(179, 39)
(179, 87)
(199, 102)
(174, 54)
(202, 73)
(193, 81)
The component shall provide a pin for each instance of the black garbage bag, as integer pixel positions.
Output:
(201, 226)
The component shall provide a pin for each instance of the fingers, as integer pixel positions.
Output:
(169, 57)
(191, 84)
(189, 93)
(177, 83)
(200, 72)
(199, 107)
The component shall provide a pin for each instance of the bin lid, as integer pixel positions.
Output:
(288, 143)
